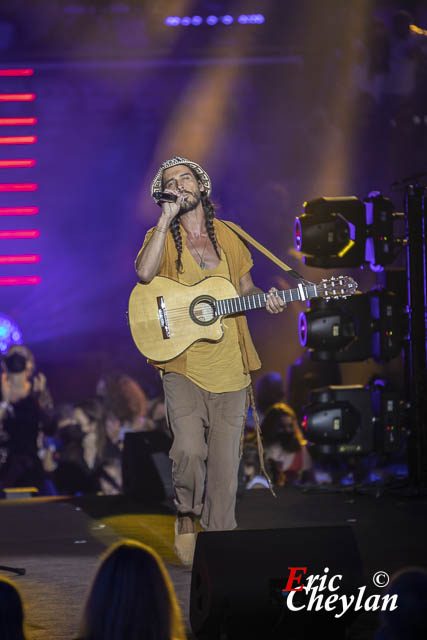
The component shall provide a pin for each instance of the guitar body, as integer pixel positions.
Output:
(166, 317)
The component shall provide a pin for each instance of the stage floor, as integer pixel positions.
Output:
(58, 542)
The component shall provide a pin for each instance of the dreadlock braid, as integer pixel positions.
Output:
(176, 233)
(209, 210)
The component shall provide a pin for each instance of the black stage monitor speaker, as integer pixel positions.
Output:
(238, 578)
(146, 466)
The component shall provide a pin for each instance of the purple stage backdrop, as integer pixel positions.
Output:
(266, 129)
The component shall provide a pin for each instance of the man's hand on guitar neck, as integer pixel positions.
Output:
(274, 304)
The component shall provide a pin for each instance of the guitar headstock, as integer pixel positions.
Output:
(336, 287)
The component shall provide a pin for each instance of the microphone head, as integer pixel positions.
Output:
(162, 196)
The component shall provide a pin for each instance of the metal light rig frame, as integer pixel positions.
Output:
(415, 349)
(336, 232)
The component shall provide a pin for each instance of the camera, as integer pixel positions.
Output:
(15, 363)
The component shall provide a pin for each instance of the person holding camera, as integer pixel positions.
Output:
(24, 406)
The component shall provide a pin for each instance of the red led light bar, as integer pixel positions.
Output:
(6, 122)
(16, 72)
(20, 280)
(19, 186)
(24, 259)
(15, 235)
(18, 211)
(17, 97)
(18, 140)
(4, 164)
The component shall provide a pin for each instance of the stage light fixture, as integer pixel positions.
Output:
(19, 234)
(347, 232)
(13, 187)
(14, 164)
(11, 122)
(13, 281)
(17, 97)
(227, 20)
(19, 211)
(172, 21)
(10, 333)
(256, 18)
(18, 139)
(381, 242)
(16, 72)
(332, 232)
(352, 330)
(20, 259)
(327, 328)
(353, 419)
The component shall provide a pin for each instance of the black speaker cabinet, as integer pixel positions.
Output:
(238, 577)
(146, 466)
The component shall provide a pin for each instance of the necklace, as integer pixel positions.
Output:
(202, 264)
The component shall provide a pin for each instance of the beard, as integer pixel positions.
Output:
(191, 202)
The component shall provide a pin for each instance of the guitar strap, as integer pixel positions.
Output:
(291, 272)
(245, 236)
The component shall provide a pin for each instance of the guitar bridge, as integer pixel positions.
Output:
(163, 317)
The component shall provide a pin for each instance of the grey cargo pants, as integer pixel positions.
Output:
(207, 429)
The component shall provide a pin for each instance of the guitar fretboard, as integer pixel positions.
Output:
(258, 300)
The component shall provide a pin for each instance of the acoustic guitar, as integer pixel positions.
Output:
(166, 317)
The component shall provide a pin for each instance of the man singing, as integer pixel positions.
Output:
(206, 386)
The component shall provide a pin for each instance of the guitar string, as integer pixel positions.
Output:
(177, 313)
(184, 312)
(185, 309)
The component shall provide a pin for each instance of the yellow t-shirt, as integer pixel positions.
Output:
(239, 262)
(214, 366)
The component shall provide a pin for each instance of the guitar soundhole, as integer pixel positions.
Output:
(202, 310)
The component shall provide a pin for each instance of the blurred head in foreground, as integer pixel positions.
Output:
(131, 597)
(11, 612)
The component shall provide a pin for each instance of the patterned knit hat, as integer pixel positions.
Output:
(156, 185)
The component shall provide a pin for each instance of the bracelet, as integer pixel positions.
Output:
(161, 230)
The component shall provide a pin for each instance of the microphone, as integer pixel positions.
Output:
(164, 196)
